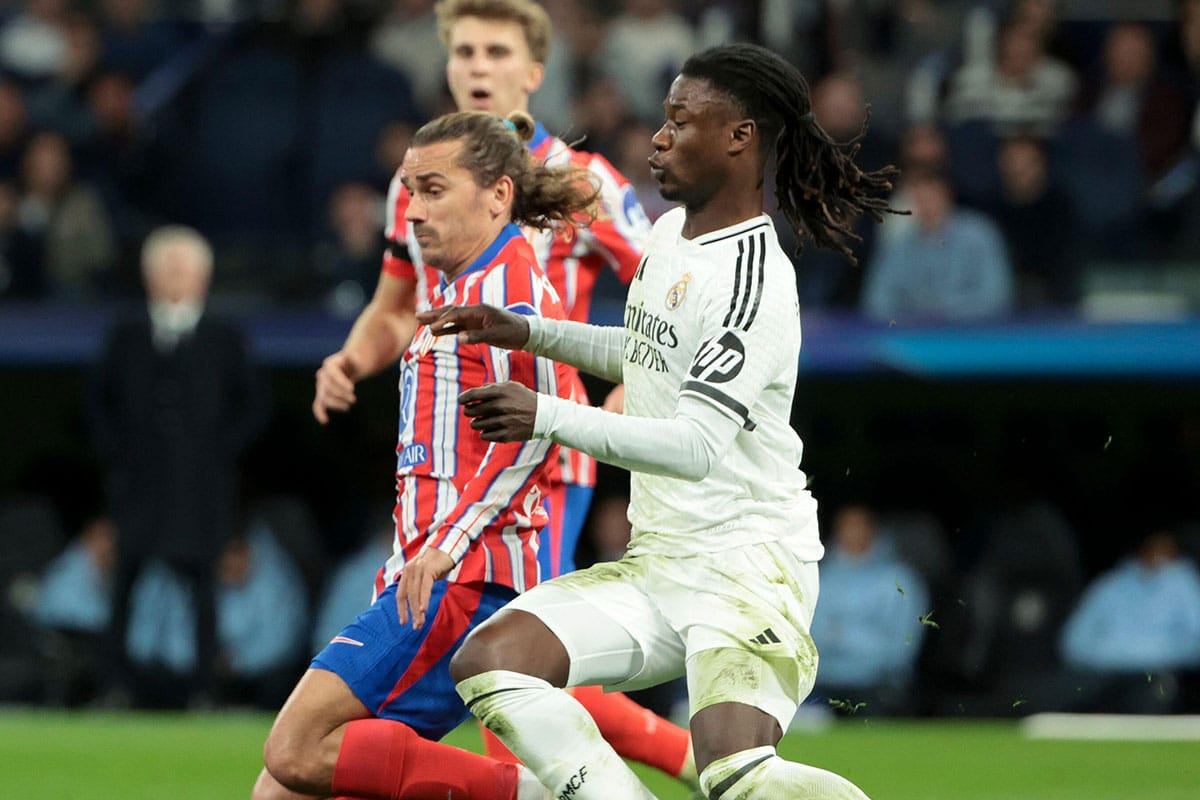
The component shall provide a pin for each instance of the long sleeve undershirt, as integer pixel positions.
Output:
(594, 349)
(686, 446)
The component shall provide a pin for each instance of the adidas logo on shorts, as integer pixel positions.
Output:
(766, 637)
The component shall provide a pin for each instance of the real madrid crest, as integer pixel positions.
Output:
(677, 292)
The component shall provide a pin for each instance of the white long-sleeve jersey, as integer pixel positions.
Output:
(709, 356)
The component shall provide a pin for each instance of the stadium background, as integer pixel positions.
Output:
(274, 126)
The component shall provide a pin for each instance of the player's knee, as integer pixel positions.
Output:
(291, 764)
(483, 651)
(514, 641)
(268, 788)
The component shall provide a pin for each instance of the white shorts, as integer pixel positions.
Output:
(736, 622)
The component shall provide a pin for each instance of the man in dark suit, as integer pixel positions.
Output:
(174, 401)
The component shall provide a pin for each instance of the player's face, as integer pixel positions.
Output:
(454, 220)
(490, 67)
(691, 148)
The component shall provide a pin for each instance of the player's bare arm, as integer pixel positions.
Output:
(379, 336)
(615, 400)
(478, 324)
(501, 412)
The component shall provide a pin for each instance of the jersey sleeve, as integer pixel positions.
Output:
(621, 228)
(750, 334)
(594, 349)
(685, 446)
(397, 261)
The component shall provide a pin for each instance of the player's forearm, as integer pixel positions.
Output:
(378, 338)
(594, 349)
(686, 446)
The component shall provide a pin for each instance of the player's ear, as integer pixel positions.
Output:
(537, 74)
(741, 135)
(502, 195)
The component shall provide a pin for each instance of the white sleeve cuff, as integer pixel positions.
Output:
(543, 420)
(537, 326)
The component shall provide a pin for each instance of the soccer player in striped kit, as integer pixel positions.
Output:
(364, 720)
(496, 53)
(497, 49)
(720, 580)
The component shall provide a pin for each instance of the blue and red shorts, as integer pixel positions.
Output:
(404, 674)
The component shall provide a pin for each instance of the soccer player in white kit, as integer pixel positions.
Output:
(720, 579)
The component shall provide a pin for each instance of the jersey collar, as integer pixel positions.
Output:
(507, 234)
(737, 229)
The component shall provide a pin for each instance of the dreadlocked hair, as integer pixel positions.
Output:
(543, 197)
(818, 186)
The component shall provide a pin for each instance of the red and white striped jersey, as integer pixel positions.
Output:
(479, 502)
(572, 260)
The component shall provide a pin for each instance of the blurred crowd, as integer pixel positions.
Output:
(278, 596)
(1050, 157)
(906, 625)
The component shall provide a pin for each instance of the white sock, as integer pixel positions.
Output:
(759, 772)
(556, 738)
(529, 787)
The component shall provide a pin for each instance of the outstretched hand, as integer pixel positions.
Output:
(416, 584)
(501, 412)
(478, 324)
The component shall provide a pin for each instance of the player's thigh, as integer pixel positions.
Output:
(609, 626)
(320, 703)
(302, 747)
(745, 615)
(400, 673)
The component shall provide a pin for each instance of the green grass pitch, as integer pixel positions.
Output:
(91, 756)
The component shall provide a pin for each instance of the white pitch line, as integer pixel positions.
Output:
(1113, 727)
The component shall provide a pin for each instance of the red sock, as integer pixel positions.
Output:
(386, 760)
(635, 732)
(494, 748)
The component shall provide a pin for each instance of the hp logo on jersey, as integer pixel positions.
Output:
(719, 360)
